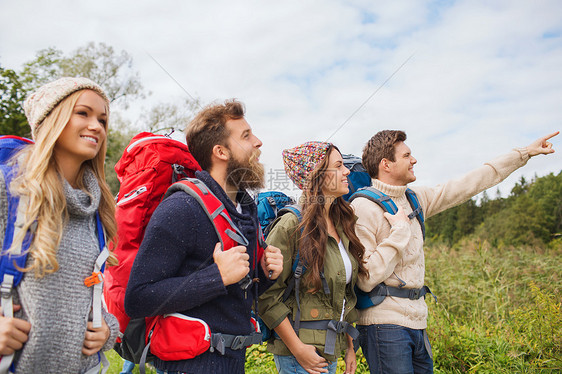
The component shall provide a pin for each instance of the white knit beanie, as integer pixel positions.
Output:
(40, 103)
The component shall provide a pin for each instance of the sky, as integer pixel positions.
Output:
(467, 80)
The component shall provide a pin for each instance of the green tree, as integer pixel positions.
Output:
(12, 95)
(468, 218)
(546, 192)
(169, 116)
(520, 187)
(491, 206)
(112, 70)
(531, 215)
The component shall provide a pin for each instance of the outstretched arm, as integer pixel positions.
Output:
(541, 146)
(457, 191)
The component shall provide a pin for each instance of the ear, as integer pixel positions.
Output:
(384, 165)
(221, 152)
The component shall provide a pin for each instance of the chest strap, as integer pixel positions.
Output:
(220, 341)
(333, 328)
(381, 291)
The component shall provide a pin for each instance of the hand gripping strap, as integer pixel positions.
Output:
(227, 232)
(5, 363)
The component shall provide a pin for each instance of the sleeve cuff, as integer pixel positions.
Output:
(524, 153)
(275, 316)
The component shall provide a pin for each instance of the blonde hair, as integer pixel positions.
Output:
(39, 180)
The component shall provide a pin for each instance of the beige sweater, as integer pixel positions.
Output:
(397, 251)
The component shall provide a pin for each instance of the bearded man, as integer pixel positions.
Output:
(181, 267)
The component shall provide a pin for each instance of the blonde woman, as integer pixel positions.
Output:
(62, 179)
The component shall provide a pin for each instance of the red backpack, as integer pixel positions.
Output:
(148, 171)
(149, 165)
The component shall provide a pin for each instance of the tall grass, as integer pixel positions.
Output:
(498, 311)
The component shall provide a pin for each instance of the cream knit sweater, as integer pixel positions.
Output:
(397, 251)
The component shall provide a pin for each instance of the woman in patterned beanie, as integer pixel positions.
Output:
(60, 325)
(313, 323)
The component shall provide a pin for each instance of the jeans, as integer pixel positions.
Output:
(128, 367)
(290, 365)
(393, 349)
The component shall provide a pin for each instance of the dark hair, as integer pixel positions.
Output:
(380, 146)
(208, 129)
(314, 237)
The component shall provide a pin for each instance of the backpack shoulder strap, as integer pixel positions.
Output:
(296, 211)
(416, 209)
(96, 279)
(293, 209)
(11, 263)
(226, 230)
(386, 203)
(376, 196)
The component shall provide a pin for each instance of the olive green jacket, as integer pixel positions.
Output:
(314, 306)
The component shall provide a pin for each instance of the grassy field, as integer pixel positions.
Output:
(498, 311)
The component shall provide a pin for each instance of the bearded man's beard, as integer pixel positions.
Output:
(248, 174)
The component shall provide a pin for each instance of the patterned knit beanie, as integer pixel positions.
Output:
(302, 160)
(41, 102)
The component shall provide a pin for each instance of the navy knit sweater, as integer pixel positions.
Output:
(174, 271)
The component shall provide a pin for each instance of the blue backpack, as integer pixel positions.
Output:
(378, 294)
(12, 263)
(10, 276)
(358, 176)
(269, 204)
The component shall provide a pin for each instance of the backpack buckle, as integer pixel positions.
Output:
(95, 278)
(238, 342)
(7, 286)
(414, 294)
(245, 282)
(5, 291)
